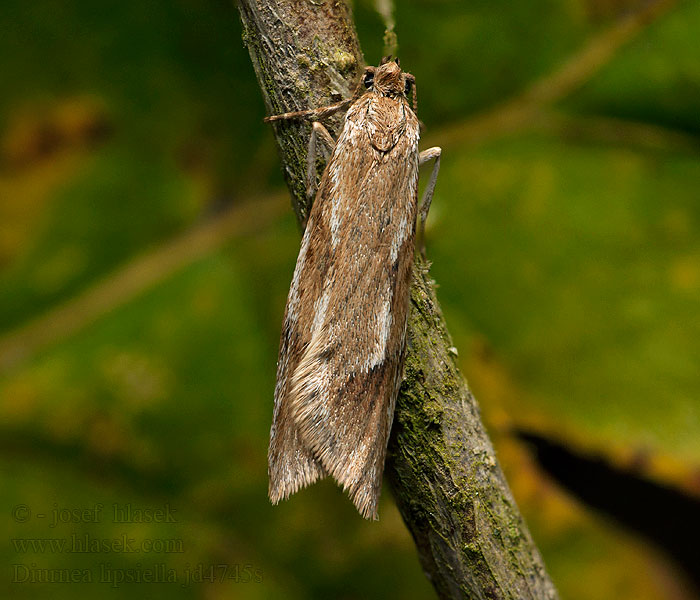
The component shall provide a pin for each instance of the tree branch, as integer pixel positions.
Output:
(134, 277)
(305, 55)
(452, 494)
(573, 73)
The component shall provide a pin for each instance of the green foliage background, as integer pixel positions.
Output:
(566, 248)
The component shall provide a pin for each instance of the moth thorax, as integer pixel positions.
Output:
(388, 79)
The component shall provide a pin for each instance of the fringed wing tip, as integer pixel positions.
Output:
(362, 493)
(282, 487)
(361, 482)
(367, 507)
(367, 510)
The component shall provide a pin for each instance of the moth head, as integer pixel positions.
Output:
(389, 80)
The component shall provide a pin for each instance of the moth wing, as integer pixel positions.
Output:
(343, 389)
(291, 464)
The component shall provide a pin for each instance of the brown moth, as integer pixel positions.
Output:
(343, 338)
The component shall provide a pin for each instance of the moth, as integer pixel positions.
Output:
(344, 333)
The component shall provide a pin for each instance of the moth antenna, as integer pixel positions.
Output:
(415, 98)
(411, 86)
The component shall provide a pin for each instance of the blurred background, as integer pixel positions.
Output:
(147, 245)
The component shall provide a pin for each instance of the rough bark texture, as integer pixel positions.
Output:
(305, 54)
(451, 492)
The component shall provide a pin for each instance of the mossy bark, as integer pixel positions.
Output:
(451, 492)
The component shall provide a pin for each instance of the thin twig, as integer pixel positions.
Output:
(135, 277)
(575, 72)
(615, 131)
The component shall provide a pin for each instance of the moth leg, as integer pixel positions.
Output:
(312, 114)
(424, 157)
(319, 134)
(316, 114)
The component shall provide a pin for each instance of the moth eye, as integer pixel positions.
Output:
(369, 80)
